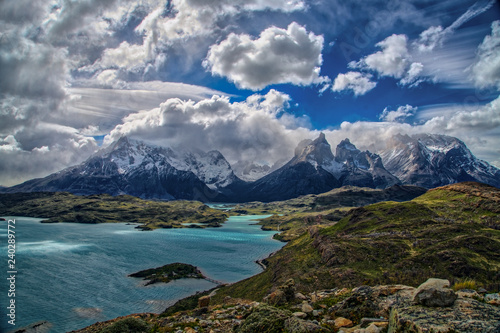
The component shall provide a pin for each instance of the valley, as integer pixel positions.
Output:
(388, 248)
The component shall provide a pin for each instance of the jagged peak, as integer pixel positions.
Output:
(346, 144)
(321, 139)
(316, 152)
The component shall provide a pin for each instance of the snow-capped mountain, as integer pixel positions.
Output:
(136, 168)
(361, 168)
(314, 169)
(250, 171)
(143, 170)
(303, 174)
(431, 160)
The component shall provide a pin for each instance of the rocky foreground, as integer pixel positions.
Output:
(432, 307)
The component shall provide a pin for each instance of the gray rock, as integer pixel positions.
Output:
(307, 308)
(300, 314)
(434, 293)
(300, 296)
(466, 316)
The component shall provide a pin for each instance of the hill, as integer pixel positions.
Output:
(452, 232)
(104, 208)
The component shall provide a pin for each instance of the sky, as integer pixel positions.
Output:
(249, 78)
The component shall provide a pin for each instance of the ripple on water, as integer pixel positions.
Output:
(44, 247)
(88, 312)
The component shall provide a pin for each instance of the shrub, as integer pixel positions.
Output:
(465, 284)
(127, 325)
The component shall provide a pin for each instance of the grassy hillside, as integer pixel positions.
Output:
(293, 217)
(452, 232)
(103, 208)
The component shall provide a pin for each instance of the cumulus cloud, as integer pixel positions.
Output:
(277, 56)
(34, 73)
(70, 16)
(486, 68)
(357, 82)
(392, 60)
(252, 130)
(398, 115)
(164, 25)
(41, 150)
(478, 128)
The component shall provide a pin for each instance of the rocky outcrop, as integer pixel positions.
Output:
(365, 309)
(435, 292)
(284, 294)
(465, 316)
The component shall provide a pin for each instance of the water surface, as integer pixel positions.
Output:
(73, 275)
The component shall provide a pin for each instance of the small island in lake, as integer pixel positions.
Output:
(168, 273)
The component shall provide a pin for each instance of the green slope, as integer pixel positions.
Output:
(452, 232)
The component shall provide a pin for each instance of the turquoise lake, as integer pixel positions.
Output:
(73, 275)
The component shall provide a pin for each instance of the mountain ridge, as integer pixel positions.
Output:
(137, 168)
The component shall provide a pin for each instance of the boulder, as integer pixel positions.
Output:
(343, 322)
(493, 299)
(203, 301)
(373, 329)
(435, 293)
(277, 297)
(264, 318)
(300, 296)
(284, 294)
(300, 314)
(307, 308)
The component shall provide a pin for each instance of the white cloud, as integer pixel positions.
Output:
(412, 77)
(435, 36)
(430, 38)
(398, 115)
(392, 60)
(255, 129)
(106, 107)
(125, 56)
(479, 128)
(486, 68)
(358, 82)
(277, 56)
(41, 150)
(187, 19)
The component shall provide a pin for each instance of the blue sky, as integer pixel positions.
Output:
(249, 78)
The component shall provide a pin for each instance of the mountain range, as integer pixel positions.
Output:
(136, 168)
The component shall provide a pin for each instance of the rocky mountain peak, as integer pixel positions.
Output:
(432, 160)
(346, 151)
(317, 152)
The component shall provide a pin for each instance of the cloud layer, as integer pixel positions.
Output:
(253, 130)
(72, 70)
